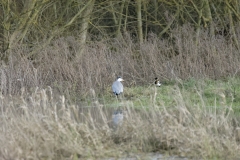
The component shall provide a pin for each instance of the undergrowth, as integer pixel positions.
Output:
(38, 126)
(195, 113)
(60, 66)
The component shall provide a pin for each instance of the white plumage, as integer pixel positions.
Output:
(157, 82)
(117, 86)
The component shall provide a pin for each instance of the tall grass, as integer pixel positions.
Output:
(66, 120)
(38, 126)
(57, 65)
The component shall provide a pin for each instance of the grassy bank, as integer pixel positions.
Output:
(191, 118)
(194, 92)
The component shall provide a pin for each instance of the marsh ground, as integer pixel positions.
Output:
(58, 104)
(195, 119)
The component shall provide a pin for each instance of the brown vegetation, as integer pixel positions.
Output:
(56, 54)
(38, 126)
(103, 61)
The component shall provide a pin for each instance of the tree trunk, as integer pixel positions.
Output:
(120, 19)
(231, 25)
(84, 26)
(155, 2)
(139, 21)
(126, 18)
(29, 14)
(207, 16)
(199, 25)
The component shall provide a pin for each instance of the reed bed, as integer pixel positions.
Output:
(38, 126)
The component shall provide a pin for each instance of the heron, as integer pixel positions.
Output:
(117, 86)
(157, 82)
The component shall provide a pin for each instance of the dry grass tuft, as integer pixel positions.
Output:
(38, 126)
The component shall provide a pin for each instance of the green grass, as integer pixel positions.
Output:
(210, 93)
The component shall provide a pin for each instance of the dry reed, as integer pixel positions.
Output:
(37, 126)
(181, 57)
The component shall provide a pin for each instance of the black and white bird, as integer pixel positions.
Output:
(157, 82)
(117, 86)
